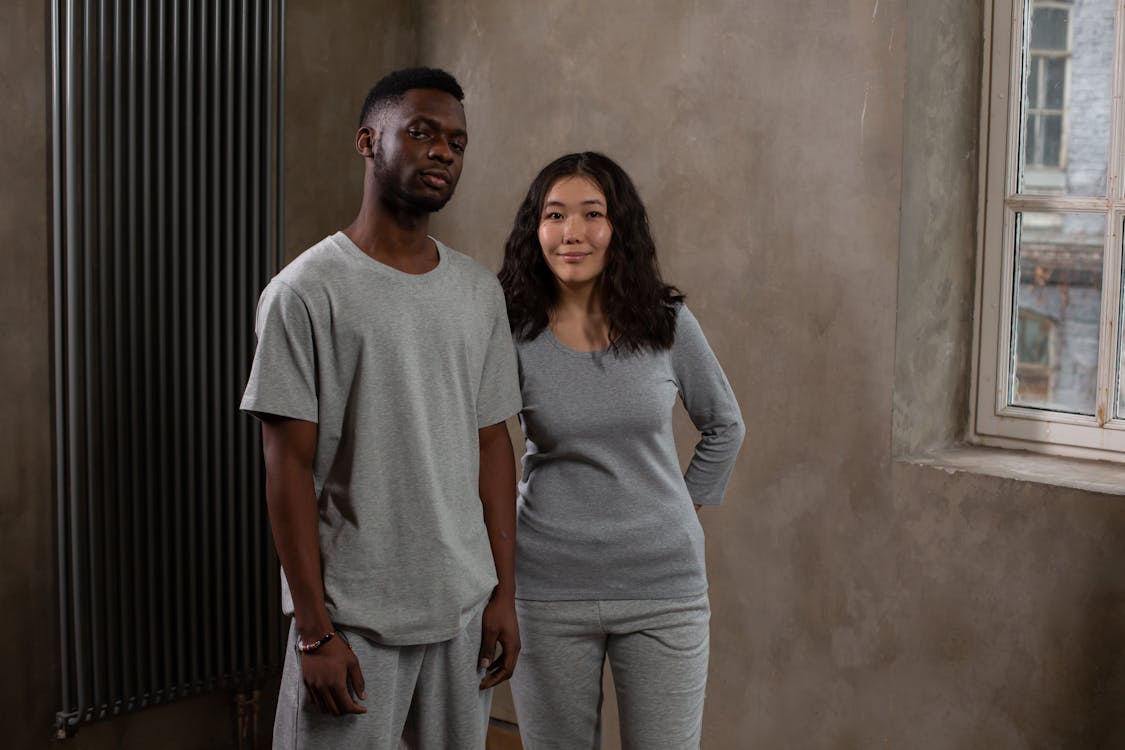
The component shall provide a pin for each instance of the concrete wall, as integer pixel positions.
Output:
(1009, 594)
(859, 602)
(767, 147)
(27, 592)
(334, 54)
(931, 393)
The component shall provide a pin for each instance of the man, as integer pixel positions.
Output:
(383, 375)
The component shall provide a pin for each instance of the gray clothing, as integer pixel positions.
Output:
(399, 371)
(604, 511)
(425, 697)
(657, 649)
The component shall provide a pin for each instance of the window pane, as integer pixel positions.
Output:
(1057, 312)
(1048, 27)
(1052, 140)
(1031, 142)
(1033, 81)
(1055, 69)
(1120, 412)
(1067, 93)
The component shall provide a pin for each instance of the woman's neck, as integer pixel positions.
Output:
(577, 319)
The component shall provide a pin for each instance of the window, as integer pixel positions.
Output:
(1048, 50)
(1035, 357)
(1050, 364)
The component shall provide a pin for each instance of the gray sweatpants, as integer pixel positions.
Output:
(426, 697)
(657, 649)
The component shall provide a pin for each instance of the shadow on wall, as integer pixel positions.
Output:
(1094, 675)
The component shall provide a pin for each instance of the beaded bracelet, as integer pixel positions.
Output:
(307, 648)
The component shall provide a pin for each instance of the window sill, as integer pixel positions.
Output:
(1106, 477)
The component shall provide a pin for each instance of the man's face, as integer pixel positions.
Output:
(420, 150)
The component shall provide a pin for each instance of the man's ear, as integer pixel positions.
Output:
(366, 141)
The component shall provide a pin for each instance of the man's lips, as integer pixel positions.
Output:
(436, 179)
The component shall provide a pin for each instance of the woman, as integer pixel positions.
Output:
(610, 559)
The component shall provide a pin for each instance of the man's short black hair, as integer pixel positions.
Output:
(392, 86)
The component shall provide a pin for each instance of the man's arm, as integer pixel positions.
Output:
(289, 446)
(498, 496)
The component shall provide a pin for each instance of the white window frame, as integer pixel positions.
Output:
(993, 421)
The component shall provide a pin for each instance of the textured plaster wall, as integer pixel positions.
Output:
(26, 516)
(334, 53)
(858, 602)
(766, 144)
(1011, 607)
(1013, 615)
(939, 207)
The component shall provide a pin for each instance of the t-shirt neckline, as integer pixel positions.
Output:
(595, 354)
(343, 241)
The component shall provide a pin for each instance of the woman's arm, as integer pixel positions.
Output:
(713, 409)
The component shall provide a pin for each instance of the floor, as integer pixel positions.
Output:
(503, 736)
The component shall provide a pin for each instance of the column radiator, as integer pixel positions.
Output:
(166, 188)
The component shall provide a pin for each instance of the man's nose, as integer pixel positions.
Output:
(440, 151)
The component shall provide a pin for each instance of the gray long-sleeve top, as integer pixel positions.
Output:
(604, 512)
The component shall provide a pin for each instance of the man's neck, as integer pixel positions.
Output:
(395, 238)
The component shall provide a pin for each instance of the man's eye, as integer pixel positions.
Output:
(458, 147)
(415, 133)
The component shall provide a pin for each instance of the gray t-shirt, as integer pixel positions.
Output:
(604, 512)
(399, 371)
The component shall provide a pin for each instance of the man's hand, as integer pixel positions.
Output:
(289, 446)
(327, 672)
(498, 625)
(498, 498)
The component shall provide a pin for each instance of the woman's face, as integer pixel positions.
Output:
(574, 231)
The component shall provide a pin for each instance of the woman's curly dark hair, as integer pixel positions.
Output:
(639, 306)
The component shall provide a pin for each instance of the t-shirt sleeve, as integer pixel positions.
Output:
(283, 376)
(713, 409)
(499, 394)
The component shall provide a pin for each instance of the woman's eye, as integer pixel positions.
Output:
(595, 215)
(553, 215)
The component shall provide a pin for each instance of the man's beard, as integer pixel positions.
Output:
(391, 188)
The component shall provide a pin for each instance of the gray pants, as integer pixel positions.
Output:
(425, 697)
(657, 649)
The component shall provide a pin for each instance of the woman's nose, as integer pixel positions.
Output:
(572, 231)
